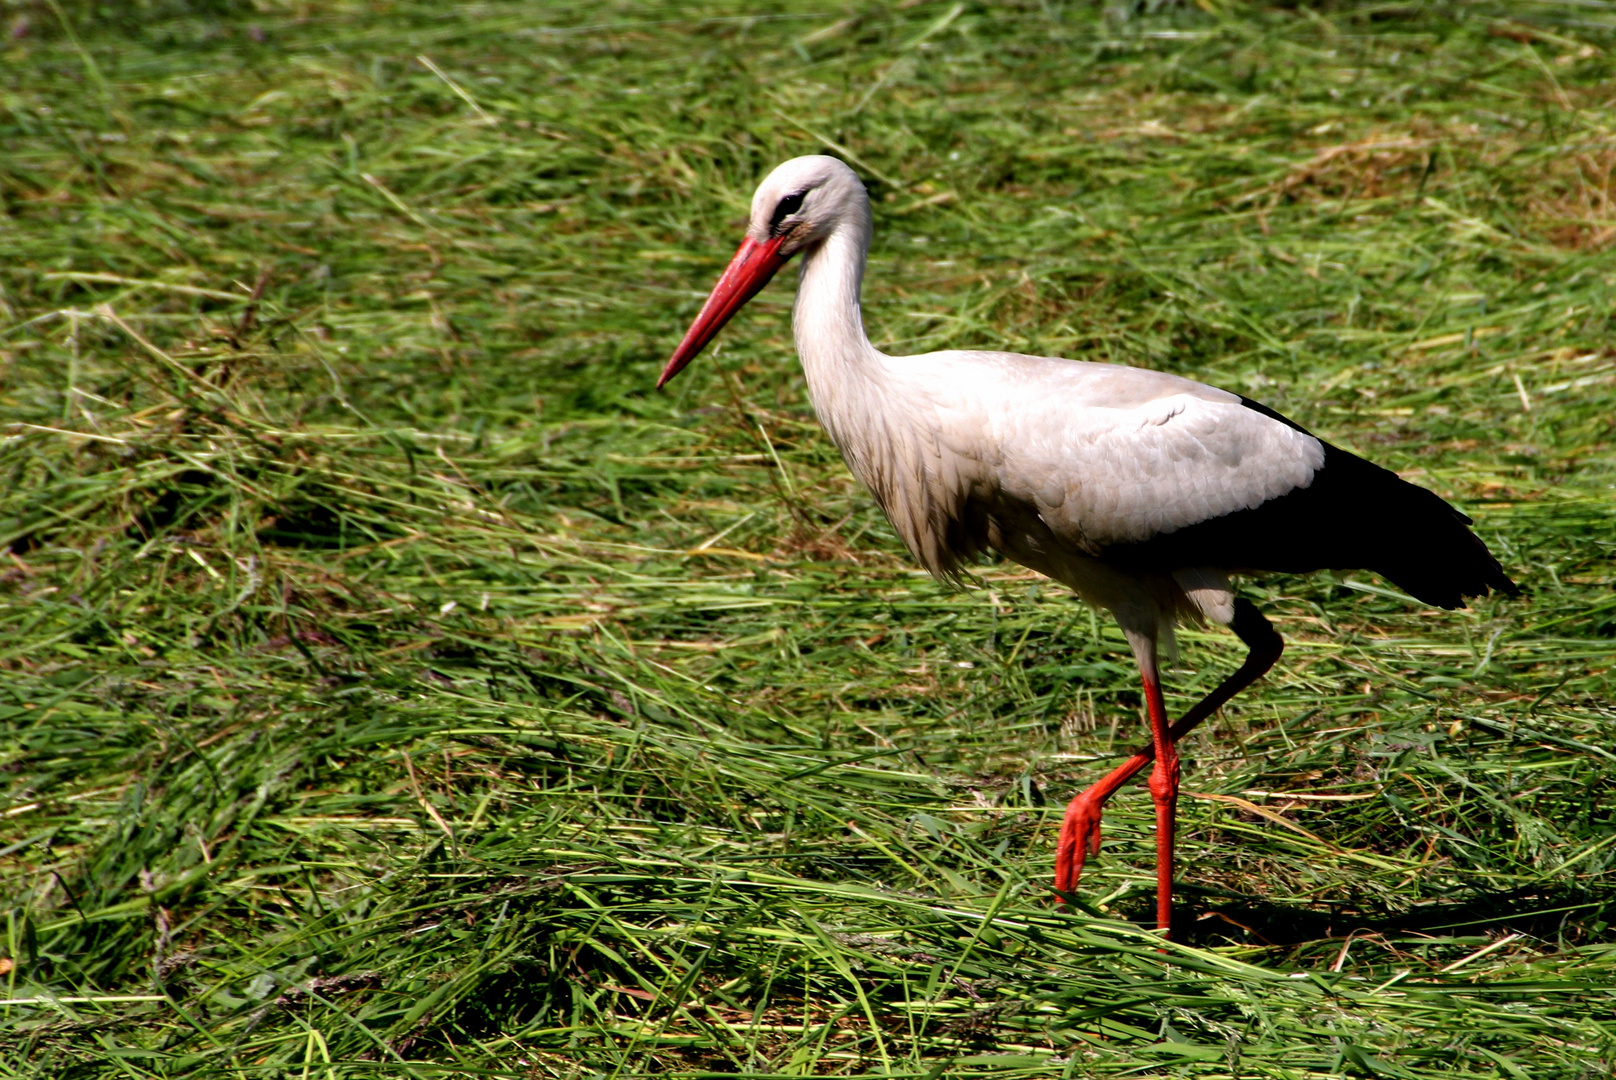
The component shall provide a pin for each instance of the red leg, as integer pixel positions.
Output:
(1164, 793)
(1080, 832)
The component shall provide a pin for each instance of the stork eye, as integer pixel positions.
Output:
(788, 206)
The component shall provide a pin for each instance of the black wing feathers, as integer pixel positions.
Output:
(1354, 515)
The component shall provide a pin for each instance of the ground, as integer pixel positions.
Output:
(395, 684)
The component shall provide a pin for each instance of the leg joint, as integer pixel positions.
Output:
(1253, 628)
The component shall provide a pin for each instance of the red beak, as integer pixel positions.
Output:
(751, 268)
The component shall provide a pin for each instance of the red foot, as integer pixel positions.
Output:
(1079, 838)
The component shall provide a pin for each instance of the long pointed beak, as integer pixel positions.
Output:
(751, 268)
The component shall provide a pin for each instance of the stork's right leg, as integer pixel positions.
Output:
(1080, 832)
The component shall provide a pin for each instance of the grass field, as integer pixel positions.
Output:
(396, 685)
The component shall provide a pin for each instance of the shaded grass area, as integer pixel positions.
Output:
(396, 685)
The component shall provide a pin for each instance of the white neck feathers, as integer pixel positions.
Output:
(827, 319)
(837, 358)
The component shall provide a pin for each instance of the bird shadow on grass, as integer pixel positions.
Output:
(1218, 917)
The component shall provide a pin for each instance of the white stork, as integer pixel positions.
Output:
(1142, 492)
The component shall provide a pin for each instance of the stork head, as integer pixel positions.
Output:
(798, 205)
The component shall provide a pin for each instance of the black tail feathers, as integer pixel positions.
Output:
(1402, 532)
(1431, 554)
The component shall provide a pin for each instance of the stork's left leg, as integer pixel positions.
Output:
(1163, 790)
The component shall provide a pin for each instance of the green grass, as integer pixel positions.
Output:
(396, 685)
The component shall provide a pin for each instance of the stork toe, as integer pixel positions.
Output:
(1079, 838)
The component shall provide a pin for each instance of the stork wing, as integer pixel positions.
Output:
(1113, 455)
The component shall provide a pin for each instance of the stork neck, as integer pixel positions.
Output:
(828, 321)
